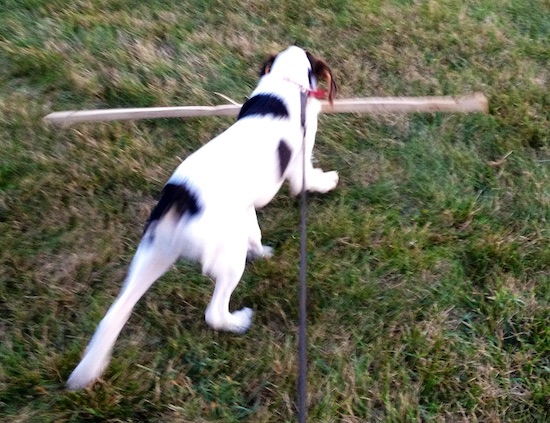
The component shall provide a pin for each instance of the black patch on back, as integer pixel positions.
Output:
(284, 156)
(177, 197)
(263, 105)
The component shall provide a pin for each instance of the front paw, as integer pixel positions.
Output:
(266, 252)
(332, 179)
(324, 181)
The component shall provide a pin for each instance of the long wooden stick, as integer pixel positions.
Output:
(374, 105)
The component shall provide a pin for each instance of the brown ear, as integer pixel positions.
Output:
(331, 85)
(266, 67)
(321, 70)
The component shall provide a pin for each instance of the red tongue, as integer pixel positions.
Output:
(318, 93)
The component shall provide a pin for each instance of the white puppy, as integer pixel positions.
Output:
(207, 210)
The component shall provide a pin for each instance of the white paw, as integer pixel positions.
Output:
(89, 369)
(323, 181)
(332, 179)
(236, 322)
(265, 252)
(79, 381)
(241, 320)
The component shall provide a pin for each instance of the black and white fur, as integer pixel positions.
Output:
(207, 210)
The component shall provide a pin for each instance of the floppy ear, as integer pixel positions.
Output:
(266, 67)
(321, 70)
(331, 84)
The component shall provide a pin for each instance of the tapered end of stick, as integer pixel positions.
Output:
(59, 118)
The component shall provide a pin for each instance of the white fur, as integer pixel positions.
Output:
(232, 175)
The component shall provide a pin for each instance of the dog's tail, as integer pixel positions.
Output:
(157, 251)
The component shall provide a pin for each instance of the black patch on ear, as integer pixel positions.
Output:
(285, 153)
(177, 197)
(263, 105)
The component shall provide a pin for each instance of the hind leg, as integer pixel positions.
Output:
(217, 313)
(224, 261)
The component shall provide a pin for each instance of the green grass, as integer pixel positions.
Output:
(428, 271)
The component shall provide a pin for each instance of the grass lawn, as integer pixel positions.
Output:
(428, 267)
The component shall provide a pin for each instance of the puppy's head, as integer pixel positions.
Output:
(301, 67)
